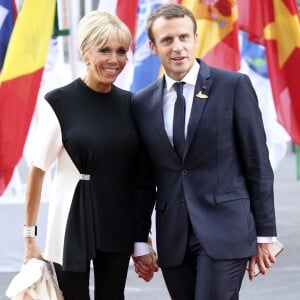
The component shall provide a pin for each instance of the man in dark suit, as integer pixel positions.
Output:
(215, 203)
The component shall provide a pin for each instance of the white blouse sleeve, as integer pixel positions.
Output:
(48, 139)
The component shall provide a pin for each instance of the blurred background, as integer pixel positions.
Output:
(38, 52)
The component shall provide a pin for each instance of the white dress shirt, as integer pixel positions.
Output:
(170, 96)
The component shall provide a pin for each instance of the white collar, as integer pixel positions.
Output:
(190, 77)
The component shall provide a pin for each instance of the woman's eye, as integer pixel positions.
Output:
(121, 51)
(104, 50)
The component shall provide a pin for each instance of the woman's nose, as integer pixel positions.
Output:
(113, 57)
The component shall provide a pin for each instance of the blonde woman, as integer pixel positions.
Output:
(86, 125)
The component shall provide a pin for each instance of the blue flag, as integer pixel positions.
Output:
(146, 65)
(255, 56)
(7, 20)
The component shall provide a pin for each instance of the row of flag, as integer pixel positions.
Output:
(252, 36)
(269, 46)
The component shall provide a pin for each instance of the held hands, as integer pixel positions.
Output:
(264, 260)
(146, 265)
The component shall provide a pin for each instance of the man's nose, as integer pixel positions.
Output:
(178, 45)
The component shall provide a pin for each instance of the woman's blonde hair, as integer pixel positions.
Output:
(97, 27)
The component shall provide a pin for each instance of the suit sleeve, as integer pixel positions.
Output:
(255, 156)
(144, 195)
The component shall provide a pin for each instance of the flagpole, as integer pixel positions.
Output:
(73, 18)
(87, 6)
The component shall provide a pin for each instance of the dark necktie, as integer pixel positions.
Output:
(178, 122)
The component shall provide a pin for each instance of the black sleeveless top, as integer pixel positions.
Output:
(99, 135)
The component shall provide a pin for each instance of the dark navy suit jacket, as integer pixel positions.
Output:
(224, 185)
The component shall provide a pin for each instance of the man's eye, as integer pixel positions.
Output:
(166, 41)
(184, 37)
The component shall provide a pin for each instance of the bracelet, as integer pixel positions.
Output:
(29, 231)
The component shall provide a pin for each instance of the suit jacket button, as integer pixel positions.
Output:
(182, 202)
(184, 172)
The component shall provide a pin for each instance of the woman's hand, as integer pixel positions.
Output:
(31, 249)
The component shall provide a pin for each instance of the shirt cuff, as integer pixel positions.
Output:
(266, 239)
(140, 248)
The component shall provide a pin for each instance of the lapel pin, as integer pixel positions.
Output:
(201, 95)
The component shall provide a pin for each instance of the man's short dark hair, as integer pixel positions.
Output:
(169, 11)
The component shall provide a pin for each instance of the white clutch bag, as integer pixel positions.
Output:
(34, 281)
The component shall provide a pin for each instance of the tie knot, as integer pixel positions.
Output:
(178, 86)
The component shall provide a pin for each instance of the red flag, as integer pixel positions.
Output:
(280, 33)
(217, 31)
(127, 12)
(20, 80)
(251, 19)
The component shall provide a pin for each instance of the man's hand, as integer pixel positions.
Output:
(264, 259)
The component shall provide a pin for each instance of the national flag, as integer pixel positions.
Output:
(217, 31)
(20, 80)
(283, 52)
(146, 65)
(254, 64)
(8, 14)
(251, 19)
(125, 10)
(280, 33)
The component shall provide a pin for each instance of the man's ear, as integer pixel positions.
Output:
(196, 40)
(152, 48)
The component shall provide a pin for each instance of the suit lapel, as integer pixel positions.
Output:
(201, 97)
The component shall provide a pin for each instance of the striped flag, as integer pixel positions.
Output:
(217, 31)
(8, 14)
(20, 80)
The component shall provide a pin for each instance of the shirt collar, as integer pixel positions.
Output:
(190, 77)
